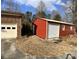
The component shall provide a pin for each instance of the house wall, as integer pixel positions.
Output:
(66, 30)
(40, 28)
(12, 20)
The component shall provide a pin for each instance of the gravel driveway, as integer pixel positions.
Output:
(9, 50)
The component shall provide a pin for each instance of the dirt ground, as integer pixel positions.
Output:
(36, 46)
(9, 50)
(27, 48)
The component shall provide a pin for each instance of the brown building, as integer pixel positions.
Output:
(10, 24)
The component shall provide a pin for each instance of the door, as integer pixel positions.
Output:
(8, 31)
(53, 30)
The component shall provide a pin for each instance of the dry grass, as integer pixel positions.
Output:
(36, 46)
(72, 39)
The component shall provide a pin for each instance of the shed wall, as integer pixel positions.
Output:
(67, 30)
(12, 20)
(40, 28)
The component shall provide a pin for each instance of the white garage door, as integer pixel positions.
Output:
(53, 30)
(8, 31)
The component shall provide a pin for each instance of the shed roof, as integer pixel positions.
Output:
(55, 21)
(9, 13)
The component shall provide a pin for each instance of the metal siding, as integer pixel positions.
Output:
(53, 30)
(9, 33)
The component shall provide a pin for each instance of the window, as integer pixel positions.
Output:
(13, 27)
(63, 27)
(71, 27)
(8, 27)
(2, 27)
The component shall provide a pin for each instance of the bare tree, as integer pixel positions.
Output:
(74, 10)
(16, 7)
(70, 10)
(2, 1)
(10, 5)
(41, 6)
(72, 6)
(55, 15)
(41, 9)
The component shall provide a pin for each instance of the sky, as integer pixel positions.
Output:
(31, 5)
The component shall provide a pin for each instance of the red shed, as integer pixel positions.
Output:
(47, 28)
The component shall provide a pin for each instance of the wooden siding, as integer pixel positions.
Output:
(67, 31)
(41, 28)
(12, 20)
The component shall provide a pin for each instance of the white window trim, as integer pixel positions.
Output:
(71, 28)
(63, 27)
